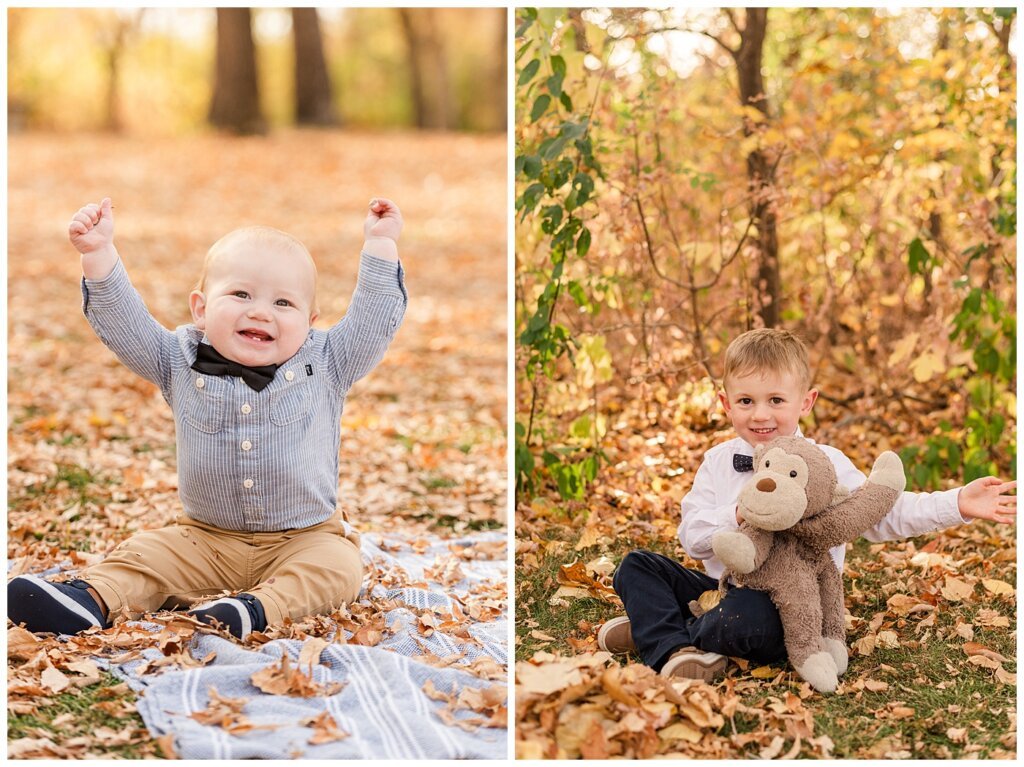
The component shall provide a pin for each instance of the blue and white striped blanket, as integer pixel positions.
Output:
(392, 703)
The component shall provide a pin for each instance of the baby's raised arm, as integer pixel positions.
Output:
(91, 231)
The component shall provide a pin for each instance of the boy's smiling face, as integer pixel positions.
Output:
(256, 308)
(766, 405)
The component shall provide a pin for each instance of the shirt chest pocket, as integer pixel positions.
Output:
(204, 407)
(289, 405)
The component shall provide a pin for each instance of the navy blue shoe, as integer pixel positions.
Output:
(239, 615)
(58, 608)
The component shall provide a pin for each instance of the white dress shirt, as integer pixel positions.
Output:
(710, 506)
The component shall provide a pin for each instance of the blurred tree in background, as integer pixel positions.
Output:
(686, 175)
(156, 72)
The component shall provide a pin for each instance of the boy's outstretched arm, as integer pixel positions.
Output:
(988, 498)
(91, 231)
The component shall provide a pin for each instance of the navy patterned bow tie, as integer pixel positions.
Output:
(742, 462)
(212, 362)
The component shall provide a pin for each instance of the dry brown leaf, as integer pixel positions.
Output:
(21, 644)
(997, 587)
(325, 729)
(309, 655)
(956, 590)
(973, 648)
(283, 679)
(54, 680)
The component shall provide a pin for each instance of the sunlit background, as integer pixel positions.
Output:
(152, 70)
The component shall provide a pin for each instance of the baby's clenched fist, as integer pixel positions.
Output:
(92, 227)
(383, 220)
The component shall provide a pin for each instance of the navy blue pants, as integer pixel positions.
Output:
(655, 591)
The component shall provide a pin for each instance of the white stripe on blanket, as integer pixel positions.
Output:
(382, 705)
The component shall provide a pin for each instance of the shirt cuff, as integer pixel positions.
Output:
(379, 275)
(955, 517)
(110, 291)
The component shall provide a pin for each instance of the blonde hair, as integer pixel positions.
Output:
(767, 350)
(263, 235)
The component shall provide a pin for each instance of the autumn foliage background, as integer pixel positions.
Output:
(91, 452)
(683, 176)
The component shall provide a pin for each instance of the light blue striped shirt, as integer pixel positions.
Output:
(247, 460)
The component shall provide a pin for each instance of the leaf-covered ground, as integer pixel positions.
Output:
(91, 454)
(931, 625)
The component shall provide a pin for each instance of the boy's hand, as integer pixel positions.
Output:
(381, 229)
(988, 498)
(92, 227)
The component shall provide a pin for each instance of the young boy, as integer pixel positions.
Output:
(767, 391)
(257, 396)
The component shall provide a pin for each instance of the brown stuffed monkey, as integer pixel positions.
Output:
(794, 511)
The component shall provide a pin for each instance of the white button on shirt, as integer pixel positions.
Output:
(289, 376)
(200, 383)
(246, 445)
(248, 483)
(246, 408)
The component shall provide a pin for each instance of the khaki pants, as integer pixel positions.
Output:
(294, 573)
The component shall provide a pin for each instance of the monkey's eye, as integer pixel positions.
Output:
(767, 464)
(793, 473)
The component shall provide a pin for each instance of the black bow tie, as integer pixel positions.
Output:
(742, 462)
(212, 362)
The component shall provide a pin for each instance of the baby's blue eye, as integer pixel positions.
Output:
(283, 302)
(240, 294)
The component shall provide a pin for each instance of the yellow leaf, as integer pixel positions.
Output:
(999, 588)
(902, 712)
(709, 599)
(903, 349)
(680, 731)
(764, 672)
(926, 366)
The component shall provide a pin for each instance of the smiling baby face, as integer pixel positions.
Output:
(257, 297)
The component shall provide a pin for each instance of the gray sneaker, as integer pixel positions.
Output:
(691, 663)
(616, 636)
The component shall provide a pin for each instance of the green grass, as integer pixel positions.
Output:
(534, 590)
(83, 704)
(969, 698)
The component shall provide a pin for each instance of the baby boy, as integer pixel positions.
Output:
(257, 396)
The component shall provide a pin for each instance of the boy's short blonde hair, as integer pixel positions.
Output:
(767, 350)
(262, 235)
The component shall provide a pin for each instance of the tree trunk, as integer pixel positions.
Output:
(236, 102)
(314, 101)
(428, 68)
(123, 27)
(760, 171)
